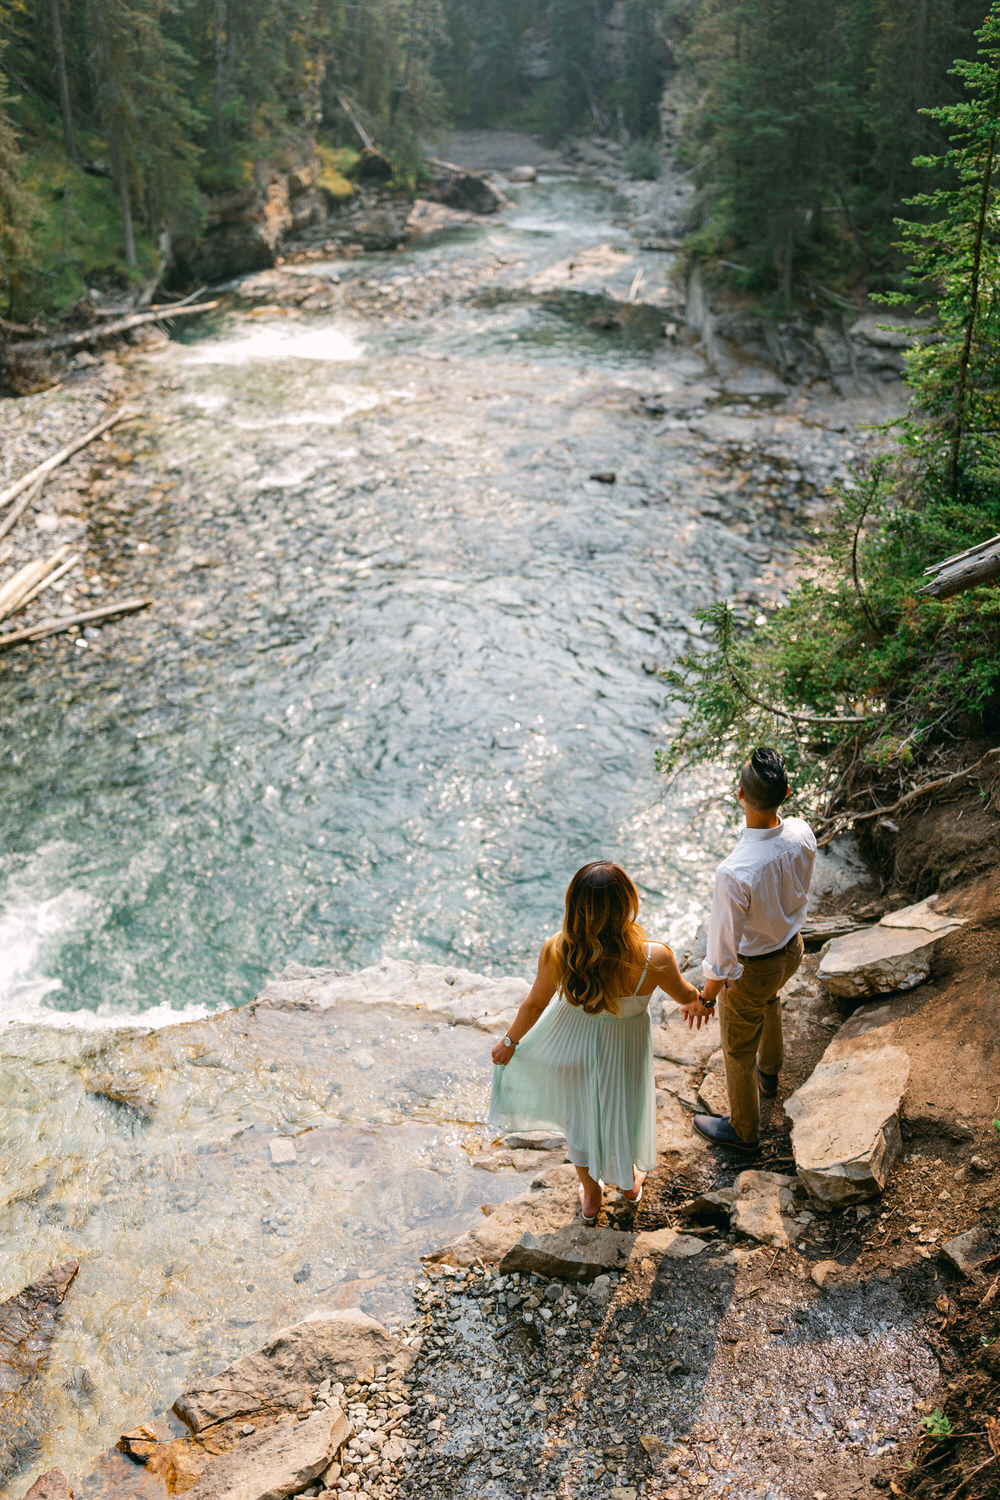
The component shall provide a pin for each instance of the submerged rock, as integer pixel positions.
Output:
(27, 1327)
(845, 1121)
(52, 1485)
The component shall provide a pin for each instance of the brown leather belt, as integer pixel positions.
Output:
(755, 958)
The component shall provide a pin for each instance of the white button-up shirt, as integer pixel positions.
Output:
(761, 891)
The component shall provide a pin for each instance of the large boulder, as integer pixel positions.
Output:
(276, 1462)
(279, 1377)
(895, 954)
(459, 188)
(845, 1121)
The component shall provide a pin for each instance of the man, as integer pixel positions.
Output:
(754, 947)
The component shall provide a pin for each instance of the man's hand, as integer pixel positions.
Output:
(696, 1013)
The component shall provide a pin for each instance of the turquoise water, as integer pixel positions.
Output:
(399, 680)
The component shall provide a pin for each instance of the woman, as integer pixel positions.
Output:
(585, 1066)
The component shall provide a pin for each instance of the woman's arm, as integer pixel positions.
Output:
(664, 969)
(531, 1008)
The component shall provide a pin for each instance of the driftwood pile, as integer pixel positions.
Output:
(34, 577)
(28, 360)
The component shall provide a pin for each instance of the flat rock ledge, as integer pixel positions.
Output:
(895, 954)
(845, 1121)
(322, 1401)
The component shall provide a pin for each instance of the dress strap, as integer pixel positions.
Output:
(649, 954)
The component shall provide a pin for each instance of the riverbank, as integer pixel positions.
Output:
(681, 1348)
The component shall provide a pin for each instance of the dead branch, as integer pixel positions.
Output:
(68, 622)
(23, 584)
(902, 804)
(41, 470)
(965, 570)
(99, 332)
(17, 510)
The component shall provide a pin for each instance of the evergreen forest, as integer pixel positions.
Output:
(120, 119)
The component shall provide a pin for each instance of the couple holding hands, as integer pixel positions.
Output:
(584, 1065)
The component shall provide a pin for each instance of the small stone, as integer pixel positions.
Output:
(822, 1270)
(978, 1164)
(968, 1252)
(283, 1152)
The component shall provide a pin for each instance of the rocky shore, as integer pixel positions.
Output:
(744, 1331)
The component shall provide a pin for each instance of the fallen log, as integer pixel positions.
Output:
(17, 510)
(41, 470)
(23, 584)
(52, 578)
(97, 333)
(68, 622)
(964, 570)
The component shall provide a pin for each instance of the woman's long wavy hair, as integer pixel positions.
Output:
(601, 941)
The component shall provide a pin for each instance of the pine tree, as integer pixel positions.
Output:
(139, 82)
(15, 204)
(954, 256)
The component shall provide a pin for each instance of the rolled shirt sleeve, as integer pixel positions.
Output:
(730, 905)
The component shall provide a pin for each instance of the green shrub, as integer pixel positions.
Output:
(643, 161)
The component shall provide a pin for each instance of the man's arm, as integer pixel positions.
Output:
(730, 904)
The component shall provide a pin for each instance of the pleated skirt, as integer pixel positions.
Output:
(590, 1077)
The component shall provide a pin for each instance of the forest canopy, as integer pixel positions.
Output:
(120, 119)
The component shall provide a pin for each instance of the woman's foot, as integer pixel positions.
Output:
(590, 1206)
(635, 1196)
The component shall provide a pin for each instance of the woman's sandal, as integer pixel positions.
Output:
(635, 1196)
(590, 1220)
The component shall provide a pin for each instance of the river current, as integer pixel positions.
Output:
(399, 681)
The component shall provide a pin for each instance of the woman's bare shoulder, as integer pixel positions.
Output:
(661, 955)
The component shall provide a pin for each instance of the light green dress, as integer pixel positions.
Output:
(590, 1077)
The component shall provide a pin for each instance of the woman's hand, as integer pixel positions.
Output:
(503, 1051)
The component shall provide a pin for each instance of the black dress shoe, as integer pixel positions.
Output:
(767, 1083)
(717, 1129)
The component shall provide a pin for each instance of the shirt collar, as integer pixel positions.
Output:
(753, 835)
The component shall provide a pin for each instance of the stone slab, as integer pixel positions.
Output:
(895, 954)
(713, 1095)
(549, 1206)
(968, 1252)
(572, 1253)
(761, 1209)
(677, 1042)
(845, 1121)
(279, 1377)
(457, 996)
(275, 1463)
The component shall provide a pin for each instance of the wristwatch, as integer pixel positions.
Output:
(708, 1004)
(509, 1042)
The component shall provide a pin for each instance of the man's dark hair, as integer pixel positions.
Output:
(763, 780)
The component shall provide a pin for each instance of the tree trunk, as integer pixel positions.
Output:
(69, 135)
(131, 258)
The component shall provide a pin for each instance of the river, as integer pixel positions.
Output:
(399, 681)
